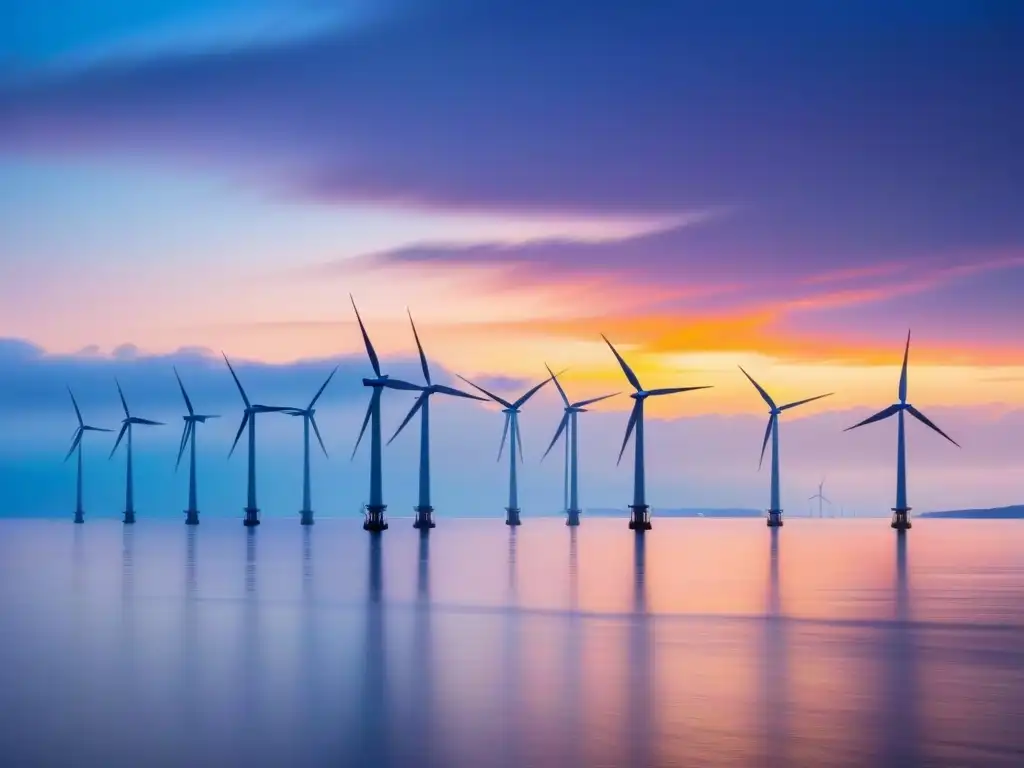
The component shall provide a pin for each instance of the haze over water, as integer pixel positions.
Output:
(710, 642)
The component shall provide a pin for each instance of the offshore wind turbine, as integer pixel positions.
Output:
(772, 432)
(569, 427)
(820, 496)
(76, 445)
(900, 517)
(126, 427)
(252, 512)
(425, 512)
(308, 415)
(639, 518)
(511, 411)
(188, 438)
(374, 511)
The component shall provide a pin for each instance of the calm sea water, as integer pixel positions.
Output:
(709, 643)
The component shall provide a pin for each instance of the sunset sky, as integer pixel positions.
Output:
(709, 184)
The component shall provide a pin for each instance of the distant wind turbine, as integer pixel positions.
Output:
(425, 512)
(76, 445)
(772, 431)
(820, 496)
(126, 426)
(640, 519)
(900, 516)
(374, 511)
(188, 438)
(252, 512)
(308, 415)
(568, 426)
(511, 411)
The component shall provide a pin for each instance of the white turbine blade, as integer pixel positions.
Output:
(124, 428)
(238, 384)
(764, 395)
(558, 433)
(316, 431)
(443, 390)
(629, 429)
(75, 442)
(504, 434)
(522, 400)
(412, 412)
(787, 406)
(124, 403)
(561, 391)
(322, 388)
(78, 413)
(419, 347)
(924, 420)
(674, 390)
(584, 403)
(494, 397)
(877, 417)
(241, 428)
(189, 426)
(362, 431)
(371, 353)
(767, 434)
(903, 372)
(625, 367)
(188, 403)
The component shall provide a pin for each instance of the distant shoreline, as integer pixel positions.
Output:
(1015, 512)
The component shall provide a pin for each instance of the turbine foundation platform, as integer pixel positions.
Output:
(774, 518)
(512, 516)
(639, 517)
(572, 517)
(191, 517)
(373, 520)
(901, 519)
(129, 517)
(306, 517)
(79, 517)
(424, 518)
(252, 517)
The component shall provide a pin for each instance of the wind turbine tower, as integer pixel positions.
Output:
(772, 432)
(569, 427)
(126, 427)
(820, 496)
(900, 513)
(640, 517)
(252, 512)
(76, 445)
(308, 415)
(188, 438)
(511, 430)
(424, 511)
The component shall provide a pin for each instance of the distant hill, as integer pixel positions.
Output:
(682, 512)
(997, 513)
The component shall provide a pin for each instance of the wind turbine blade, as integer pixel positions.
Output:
(443, 390)
(78, 413)
(787, 406)
(877, 417)
(903, 373)
(407, 386)
(366, 420)
(504, 434)
(423, 357)
(188, 403)
(584, 403)
(120, 435)
(241, 428)
(522, 400)
(124, 403)
(147, 422)
(184, 441)
(519, 442)
(558, 433)
(371, 353)
(412, 412)
(87, 428)
(316, 431)
(494, 397)
(625, 367)
(322, 388)
(561, 391)
(74, 443)
(241, 391)
(764, 395)
(767, 434)
(823, 498)
(674, 390)
(629, 429)
(924, 420)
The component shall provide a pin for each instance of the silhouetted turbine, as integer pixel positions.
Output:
(126, 427)
(76, 445)
(308, 415)
(188, 438)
